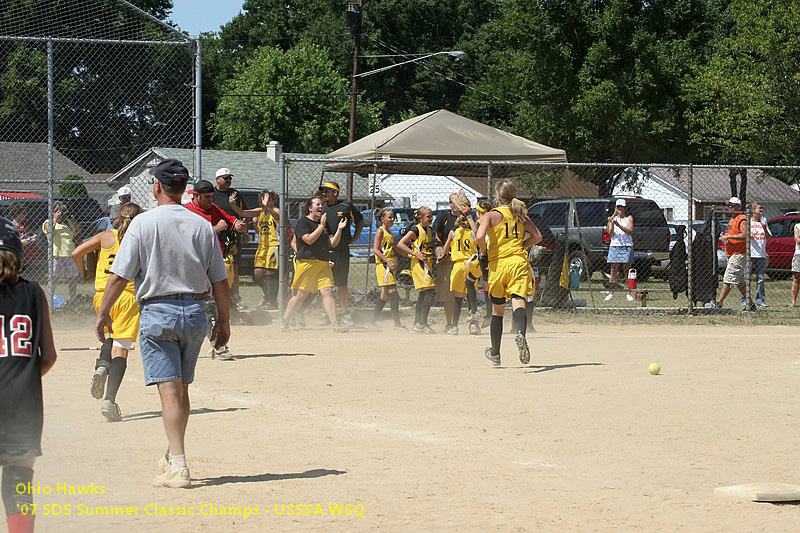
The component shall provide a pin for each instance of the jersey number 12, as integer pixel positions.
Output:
(18, 343)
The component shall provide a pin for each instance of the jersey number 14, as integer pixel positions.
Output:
(514, 231)
(17, 341)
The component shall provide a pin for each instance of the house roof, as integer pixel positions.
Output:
(251, 170)
(713, 184)
(28, 161)
(570, 185)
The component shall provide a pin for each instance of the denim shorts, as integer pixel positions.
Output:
(171, 334)
(620, 254)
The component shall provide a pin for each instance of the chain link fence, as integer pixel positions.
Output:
(682, 243)
(86, 88)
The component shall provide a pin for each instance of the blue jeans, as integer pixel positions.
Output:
(759, 266)
(171, 333)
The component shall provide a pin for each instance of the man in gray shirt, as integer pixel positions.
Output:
(174, 259)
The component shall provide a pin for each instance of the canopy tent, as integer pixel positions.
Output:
(448, 142)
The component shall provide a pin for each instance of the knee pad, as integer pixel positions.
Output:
(16, 489)
(498, 301)
(517, 297)
(125, 344)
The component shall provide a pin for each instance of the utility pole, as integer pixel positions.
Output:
(354, 23)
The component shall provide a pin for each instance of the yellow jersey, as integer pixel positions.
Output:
(505, 239)
(272, 222)
(387, 243)
(104, 261)
(424, 241)
(262, 228)
(462, 246)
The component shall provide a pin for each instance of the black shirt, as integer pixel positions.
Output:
(443, 225)
(223, 200)
(337, 212)
(20, 370)
(318, 250)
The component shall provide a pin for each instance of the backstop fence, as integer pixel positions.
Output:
(694, 249)
(86, 88)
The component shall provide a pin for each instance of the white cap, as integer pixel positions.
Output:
(735, 200)
(223, 172)
(124, 191)
(621, 203)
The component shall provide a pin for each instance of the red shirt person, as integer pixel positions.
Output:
(203, 204)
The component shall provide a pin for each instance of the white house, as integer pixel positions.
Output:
(411, 190)
(669, 188)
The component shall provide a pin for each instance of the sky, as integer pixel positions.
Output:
(195, 16)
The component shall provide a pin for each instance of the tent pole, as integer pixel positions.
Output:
(489, 181)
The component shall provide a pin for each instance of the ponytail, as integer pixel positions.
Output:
(126, 214)
(506, 192)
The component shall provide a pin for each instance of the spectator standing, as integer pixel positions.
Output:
(65, 229)
(620, 250)
(174, 257)
(734, 239)
(337, 211)
(759, 237)
(225, 197)
(123, 197)
(19, 212)
(203, 204)
(443, 226)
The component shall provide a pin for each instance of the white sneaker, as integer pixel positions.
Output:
(474, 328)
(629, 297)
(524, 351)
(347, 320)
(495, 359)
(163, 462)
(111, 411)
(174, 478)
(452, 330)
(99, 382)
(223, 353)
(608, 296)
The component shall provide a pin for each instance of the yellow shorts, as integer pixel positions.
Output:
(311, 275)
(422, 274)
(124, 315)
(458, 277)
(266, 257)
(385, 276)
(229, 269)
(508, 276)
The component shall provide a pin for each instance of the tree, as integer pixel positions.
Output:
(744, 102)
(76, 189)
(295, 97)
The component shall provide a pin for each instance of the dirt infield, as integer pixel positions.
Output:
(421, 432)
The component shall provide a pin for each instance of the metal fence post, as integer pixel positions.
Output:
(51, 289)
(690, 241)
(489, 182)
(282, 244)
(198, 110)
(748, 262)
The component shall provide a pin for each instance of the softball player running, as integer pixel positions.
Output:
(386, 267)
(466, 270)
(420, 237)
(312, 270)
(27, 352)
(509, 272)
(113, 360)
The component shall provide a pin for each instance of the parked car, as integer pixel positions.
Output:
(362, 247)
(781, 248)
(589, 251)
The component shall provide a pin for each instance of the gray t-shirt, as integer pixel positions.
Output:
(169, 250)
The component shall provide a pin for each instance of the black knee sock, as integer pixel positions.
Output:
(261, 282)
(458, 304)
(394, 304)
(105, 355)
(472, 297)
(520, 320)
(378, 308)
(418, 308)
(488, 303)
(13, 499)
(426, 306)
(272, 288)
(496, 332)
(115, 375)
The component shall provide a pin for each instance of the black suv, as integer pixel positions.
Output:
(650, 234)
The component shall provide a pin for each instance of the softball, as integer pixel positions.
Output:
(654, 369)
